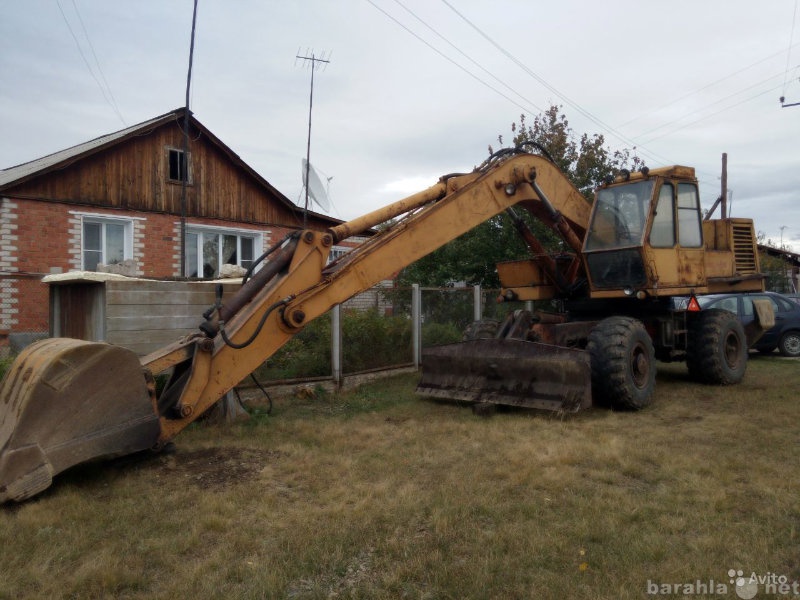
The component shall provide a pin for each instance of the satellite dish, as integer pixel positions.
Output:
(314, 186)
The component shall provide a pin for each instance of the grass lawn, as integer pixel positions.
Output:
(379, 494)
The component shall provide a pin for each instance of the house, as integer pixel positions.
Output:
(783, 271)
(120, 200)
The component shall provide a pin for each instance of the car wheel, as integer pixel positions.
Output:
(790, 344)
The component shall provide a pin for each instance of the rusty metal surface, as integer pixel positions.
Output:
(64, 402)
(509, 372)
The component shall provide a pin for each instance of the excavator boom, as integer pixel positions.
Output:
(64, 402)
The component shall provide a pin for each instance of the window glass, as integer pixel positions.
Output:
(729, 304)
(619, 216)
(747, 306)
(210, 254)
(191, 254)
(92, 249)
(662, 234)
(105, 241)
(115, 243)
(246, 256)
(176, 166)
(229, 249)
(91, 236)
(207, 250)
(781, 304)
(689, 226)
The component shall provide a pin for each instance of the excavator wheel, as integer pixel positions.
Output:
(623, 363)
(717, 349)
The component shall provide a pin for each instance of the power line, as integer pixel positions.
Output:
(702, 108)
(465, 55)
(543, 82)
(97, 63)
(451, 61)
(703, 88)
(789, 50)
(106, 91)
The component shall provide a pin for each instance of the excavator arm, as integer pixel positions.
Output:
(64, 402)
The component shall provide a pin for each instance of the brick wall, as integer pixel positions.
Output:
(40, 238)
(8, 262)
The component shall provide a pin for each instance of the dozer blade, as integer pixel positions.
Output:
(510, 372)
(64, 402)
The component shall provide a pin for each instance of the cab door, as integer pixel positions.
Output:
(675, 241)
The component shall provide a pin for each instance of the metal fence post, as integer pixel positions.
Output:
(477, 303)
(416, 324)
(336, 345)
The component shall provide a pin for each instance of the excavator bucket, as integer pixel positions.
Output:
(65, 402)
(510, 372)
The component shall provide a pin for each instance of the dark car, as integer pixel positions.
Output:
(785, 336)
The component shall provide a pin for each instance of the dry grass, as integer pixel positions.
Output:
(378, 494)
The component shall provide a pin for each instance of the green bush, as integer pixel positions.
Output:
(369, 340)
(434, 334)
(5, 364)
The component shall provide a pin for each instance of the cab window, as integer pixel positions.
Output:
(689, 225)
(662, 233)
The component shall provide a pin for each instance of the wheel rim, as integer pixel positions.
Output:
(640, 366)
(732, 350)
(792, 344)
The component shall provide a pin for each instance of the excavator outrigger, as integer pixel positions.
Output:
(641, 243)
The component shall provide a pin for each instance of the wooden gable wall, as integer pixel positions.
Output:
(132, 174)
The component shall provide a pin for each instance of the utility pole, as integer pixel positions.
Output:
(722, 200)
(185, 159)
(784, 260)
(724, 190)
(314, 60)
(784, 105)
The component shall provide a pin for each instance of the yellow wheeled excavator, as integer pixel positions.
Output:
(627, 256)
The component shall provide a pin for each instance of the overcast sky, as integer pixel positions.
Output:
(418, 88)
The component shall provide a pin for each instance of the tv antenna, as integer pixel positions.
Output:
(315, 61)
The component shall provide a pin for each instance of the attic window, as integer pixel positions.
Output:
(177, 165)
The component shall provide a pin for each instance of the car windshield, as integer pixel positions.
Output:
(620, 216)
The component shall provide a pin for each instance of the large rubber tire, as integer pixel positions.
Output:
(623, 364)
(790, 344)
(717, 349)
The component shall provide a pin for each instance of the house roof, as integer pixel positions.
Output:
(18, 174)
(787, 255)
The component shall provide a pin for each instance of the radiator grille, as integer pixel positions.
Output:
(744, 251)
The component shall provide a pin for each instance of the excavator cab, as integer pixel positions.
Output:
(613, 246)
(646, 236)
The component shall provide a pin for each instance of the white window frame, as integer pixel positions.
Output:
(103, 220)
(200, 230)
(337, 252)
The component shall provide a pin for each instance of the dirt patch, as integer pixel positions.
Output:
(215, 468)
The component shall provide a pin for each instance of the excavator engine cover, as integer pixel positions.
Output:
(66, 401)
(510, 372)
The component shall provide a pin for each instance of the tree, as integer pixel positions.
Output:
(472, 257)
(775, 266)
(585, 160)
